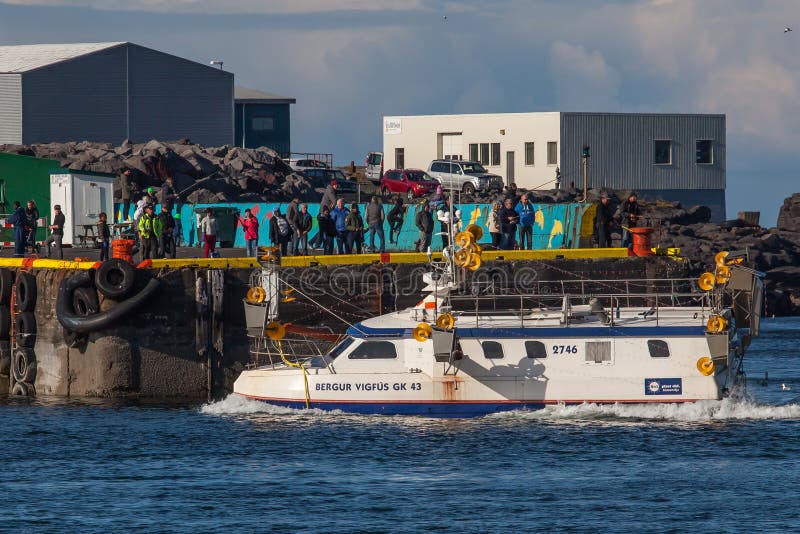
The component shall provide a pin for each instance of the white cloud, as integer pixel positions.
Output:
(583, 79)
(275, 7)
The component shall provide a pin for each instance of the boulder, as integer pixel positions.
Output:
(789, 215)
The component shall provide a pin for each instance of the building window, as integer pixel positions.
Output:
(484, 154)
(552, 153)
(374, 350)
(704, 152)
(598, 352)
(473, 151)
(529, 155)
(662, 152)
(658, 348)
(495, 154)
(399, 158)
(535, 349)
(263, 124)
(492, 350)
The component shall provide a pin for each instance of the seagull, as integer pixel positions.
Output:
(784, 387)
(787, 29)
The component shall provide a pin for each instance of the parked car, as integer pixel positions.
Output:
(324, 176)
(468, 176)
(410, 182)
(374, 171)
(303, 164)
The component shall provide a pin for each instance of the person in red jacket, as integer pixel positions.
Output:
(250, 225)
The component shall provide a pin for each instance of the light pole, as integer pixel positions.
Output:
(215, 62)
(585, 156)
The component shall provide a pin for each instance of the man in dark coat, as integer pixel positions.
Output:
(630, 211)
(18, 219)
(602, 221)
(279, 231)
(424, 222)
(508, 224)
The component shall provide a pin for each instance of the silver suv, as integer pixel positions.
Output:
(468, 176)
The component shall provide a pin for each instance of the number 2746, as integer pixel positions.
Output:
(565, 349)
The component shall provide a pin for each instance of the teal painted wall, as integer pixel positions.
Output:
(560, 224)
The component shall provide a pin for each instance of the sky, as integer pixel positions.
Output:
(350, 62)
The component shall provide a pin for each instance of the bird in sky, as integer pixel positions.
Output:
(787, 29)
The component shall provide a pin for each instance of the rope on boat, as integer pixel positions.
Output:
(301, 366)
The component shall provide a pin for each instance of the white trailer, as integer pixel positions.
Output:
(82, 196)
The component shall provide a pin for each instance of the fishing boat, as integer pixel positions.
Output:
(468, 350)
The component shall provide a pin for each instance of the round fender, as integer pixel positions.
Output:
(25, 329)
(23, 365)
(85, 301)
(21, 389)
(26, 292)
(5, 322)
(115, 278)
(6, 285)
(83, 325)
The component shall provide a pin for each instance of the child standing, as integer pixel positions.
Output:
(104, 235)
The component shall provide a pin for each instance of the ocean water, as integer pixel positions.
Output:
(239, 465)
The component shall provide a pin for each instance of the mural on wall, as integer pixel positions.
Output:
(555, 225)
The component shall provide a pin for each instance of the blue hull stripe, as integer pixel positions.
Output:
(441, 409)
(534, 333)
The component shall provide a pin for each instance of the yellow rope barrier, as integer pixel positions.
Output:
(301, 366)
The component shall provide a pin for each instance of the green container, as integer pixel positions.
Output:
(227, 217)
(25, 178)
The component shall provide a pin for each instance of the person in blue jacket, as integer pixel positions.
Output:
(339, 215)
(526, 216)
(19, 220)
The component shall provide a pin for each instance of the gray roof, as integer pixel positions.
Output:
(251, 96)
(23, 58)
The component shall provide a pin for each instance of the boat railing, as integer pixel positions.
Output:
(608, 298)
(295, 349)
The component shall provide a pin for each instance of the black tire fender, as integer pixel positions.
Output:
(115, 278)
(25, 329)
(26, 292)
(21, 389)
(6, 285)
(5, 322)
(83, 325)
(23, 365)
(85, 301)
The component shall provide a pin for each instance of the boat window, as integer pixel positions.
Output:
(492, 350)
(338, 349)
(535, 349)
(658, 348)
(598, 351)
(374, 350)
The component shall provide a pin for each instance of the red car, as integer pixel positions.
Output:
(412, 182)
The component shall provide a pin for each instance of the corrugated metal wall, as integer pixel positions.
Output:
(172, 98)
(278, 139)
(76, 100)
(622, 150)
(10, 108)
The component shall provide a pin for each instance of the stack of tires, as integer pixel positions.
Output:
(6, 286)
(23, 359)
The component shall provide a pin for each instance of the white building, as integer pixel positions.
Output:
(670, 156)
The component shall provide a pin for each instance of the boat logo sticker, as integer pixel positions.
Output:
(663, 386)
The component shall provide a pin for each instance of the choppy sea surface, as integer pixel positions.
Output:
(239, 465)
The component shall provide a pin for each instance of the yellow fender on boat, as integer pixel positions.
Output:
(719, 258)
(475, 230)
(461, 257)
(422, 332)
(446, 321)
(716, 324)
(256, 295)
(705, 365)
(275, 331)
(464, 239)
(723, 274)
(706, 281)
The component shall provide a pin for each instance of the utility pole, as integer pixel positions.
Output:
(585, 156)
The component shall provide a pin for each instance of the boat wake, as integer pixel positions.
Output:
(695, 412)
(235, 404)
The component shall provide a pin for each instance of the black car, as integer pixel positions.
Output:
(322, 177)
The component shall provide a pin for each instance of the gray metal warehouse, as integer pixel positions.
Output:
(109, 92)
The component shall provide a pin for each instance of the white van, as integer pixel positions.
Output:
(374, 170)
